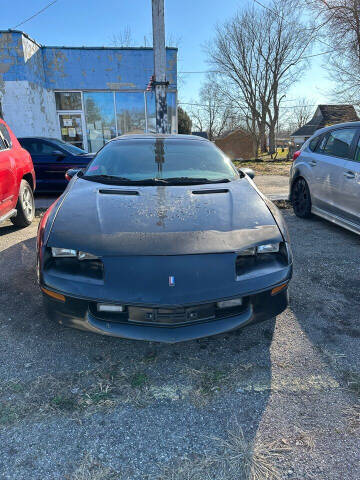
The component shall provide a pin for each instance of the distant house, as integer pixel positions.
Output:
(324, 116)
(236, 144)
(201, 134)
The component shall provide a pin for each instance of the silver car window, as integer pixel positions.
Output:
(313, 143)
(339, 142)
(321, 145)
(357, 153)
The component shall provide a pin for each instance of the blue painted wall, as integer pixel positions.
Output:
(79, 68)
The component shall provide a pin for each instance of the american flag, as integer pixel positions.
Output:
(149, 87)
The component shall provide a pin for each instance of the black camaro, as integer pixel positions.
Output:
(160, 238)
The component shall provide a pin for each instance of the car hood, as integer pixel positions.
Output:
(109, 220)
(84, 157)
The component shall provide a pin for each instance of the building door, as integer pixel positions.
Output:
(72, 128)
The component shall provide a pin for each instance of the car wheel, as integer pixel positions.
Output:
(25, 206)
(301, 199)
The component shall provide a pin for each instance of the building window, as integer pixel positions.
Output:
(68, 101)
(130, 112)
(100, 119)
(71, 129)
(90, 119)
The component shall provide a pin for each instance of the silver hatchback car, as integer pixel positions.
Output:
(325, 176)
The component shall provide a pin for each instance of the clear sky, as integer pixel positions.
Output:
(94, 22)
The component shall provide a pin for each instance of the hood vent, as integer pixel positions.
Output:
(207, 191)
(112, 191)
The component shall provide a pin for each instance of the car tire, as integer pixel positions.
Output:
(25, 206)
(301, 198)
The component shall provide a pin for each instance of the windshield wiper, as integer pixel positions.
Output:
(193, 181)
(113, 179)
(107, 179)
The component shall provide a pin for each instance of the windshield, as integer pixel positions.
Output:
(165, 159)
(68, 147)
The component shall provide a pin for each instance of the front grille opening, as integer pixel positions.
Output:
(168, 317)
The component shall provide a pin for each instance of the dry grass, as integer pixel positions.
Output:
(91, 469)
(352, 416)
(305, 440)
(237, 459)
(352, 380)
(267, 167)
(209, 381)
(250, 461)
(105, 386)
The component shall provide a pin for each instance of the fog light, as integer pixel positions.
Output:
(108, 307)
(234, 302)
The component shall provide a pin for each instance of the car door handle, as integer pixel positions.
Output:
(313, 163)
(349, 174)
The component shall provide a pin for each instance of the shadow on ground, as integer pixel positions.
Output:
(133, 404)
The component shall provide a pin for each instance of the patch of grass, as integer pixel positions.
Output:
(265, 167)
(92, 469)
(104, 386)
(8, 414)
(150, 356)
(250, 461)
(68, 404)
(352, 380)
(305, 439)
(210, 381)
(16, 387)
(236, 459)
(352, 415)
(138, 380)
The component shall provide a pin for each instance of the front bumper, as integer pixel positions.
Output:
(80, 313)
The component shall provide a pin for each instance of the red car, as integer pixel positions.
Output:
(17, 180)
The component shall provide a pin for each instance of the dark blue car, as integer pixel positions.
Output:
(52, 158)
(169, 242)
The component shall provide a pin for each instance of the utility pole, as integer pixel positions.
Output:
(160, 83)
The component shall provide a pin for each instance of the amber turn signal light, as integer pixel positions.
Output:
(279, 288)
(58, 296)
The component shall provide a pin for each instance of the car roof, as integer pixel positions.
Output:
(165, 136)
(50, 139)
(335, 126)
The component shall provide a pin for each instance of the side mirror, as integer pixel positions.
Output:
(59, 154)
(249, 172)
(72, 172)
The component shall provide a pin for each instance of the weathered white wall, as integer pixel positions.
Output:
(30, 109)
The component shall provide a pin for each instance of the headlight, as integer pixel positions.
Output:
(69, 253)
(266, 248)
(63, 252)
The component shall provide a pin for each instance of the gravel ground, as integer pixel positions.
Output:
(281, 397)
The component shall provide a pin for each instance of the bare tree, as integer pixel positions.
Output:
(298, 115)
(260, 52)
(211, 114)
(124, 38)
(342, 33)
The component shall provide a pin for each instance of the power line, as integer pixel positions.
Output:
(232, 106)
(35, 14)
(202, 71)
